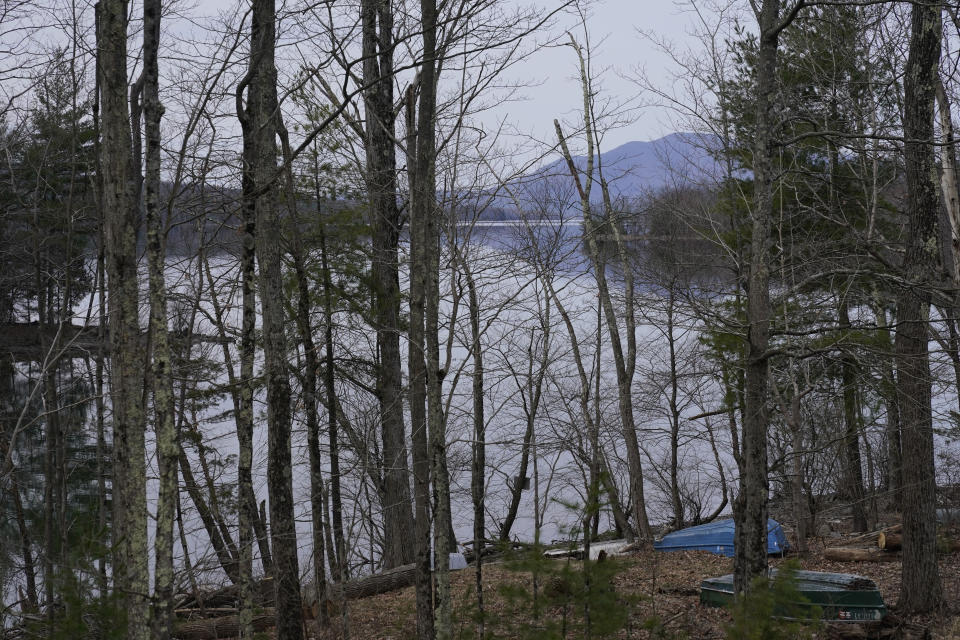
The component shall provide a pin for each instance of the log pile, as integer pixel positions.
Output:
(874, 546)
(871, 537)
(881, 546)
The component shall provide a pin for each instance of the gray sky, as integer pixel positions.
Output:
(551, 91)
(619, 50)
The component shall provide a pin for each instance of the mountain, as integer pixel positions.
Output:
(632, 170)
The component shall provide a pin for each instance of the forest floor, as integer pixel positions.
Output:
(659, 592)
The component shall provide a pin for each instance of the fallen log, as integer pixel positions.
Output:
(196, 612)
(389, 580)
(229, 596)
(890, 542)
(947, 545)
(856, 554)
(224, 627)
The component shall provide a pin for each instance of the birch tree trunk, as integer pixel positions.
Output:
(951, 200)
(888, 388)
(948, 175)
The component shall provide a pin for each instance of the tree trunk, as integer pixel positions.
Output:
(888, 386)
(948, 176)
(889, 541)
(162, 375)
(309, 389)
(851, 418)
(921, 590)
(120, 200)
(678, 520)
(418, 386)
(340, 566)
(228, 561)
(51, 428)
(479, 460)
(794, 419)
(381, 183)
(242, 402)
(951, 199)
(589, 421)
(261, 115)
(425, 208)
(247, 508)
(29, 571)
(531, 408)
(750, 507)
(389, 580)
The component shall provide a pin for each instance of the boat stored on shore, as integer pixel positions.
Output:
(833, 597)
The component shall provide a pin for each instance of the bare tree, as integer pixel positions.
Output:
(624, 360)
(260, 121)
(381, 182)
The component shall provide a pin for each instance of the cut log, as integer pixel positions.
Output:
(225, 627)
(890, 541)
(873, 536)
(855, 554)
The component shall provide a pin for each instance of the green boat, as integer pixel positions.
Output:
(841, 597)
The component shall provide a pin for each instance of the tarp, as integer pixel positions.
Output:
(717, 537)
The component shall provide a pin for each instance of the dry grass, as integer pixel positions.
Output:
(665, 585)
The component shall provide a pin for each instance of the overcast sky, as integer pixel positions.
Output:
(548, 75)
(619, 50)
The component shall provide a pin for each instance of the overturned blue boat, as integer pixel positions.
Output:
(717, 537)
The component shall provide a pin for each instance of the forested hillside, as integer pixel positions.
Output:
(294, 312)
